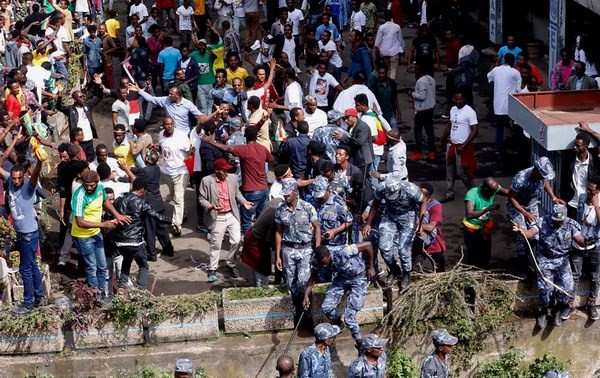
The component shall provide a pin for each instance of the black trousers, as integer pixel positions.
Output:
(479, 247)
(156, 230)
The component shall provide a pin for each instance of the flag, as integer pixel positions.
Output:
(44, 24)
(28, 122)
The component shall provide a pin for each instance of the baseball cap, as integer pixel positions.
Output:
(319, 187)
(288, 186)
(392, 186)
(441, 336)
(202, 41)
(351, 112)
(559, 213)
(326, 331)
(222, 164)
(310, 99)
(544, 166)
(184, 365)
(373, 341)
(333, 115)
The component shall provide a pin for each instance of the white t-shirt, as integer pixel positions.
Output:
(506, 80)
(195, 141)
(185, 17)
(61, 36)
(38, 75)
(175, 151)
(119, 188)
(377, 150)
(335, 58)
(292, 98)
(84, 123)
(140, 10)
(315, 120)
(319, 87)
(260, 92)
(345, 100)
(295, 18)
(82, 6)
(462, 120)
(358, 20)
(289, 47)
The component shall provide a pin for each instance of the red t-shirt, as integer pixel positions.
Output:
(435, 215)
(253, 158)
(13, 106)
(452, 48)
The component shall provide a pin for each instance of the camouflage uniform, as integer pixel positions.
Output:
(313, 363)
(529, 192)
(399, 223)
(296, 248)
(552, 255)
(324, 135)
(349, 275)
(432, 366)
(361, 367)
(332, 214)
(236, 139)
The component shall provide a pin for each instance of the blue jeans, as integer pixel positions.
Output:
(94, 262)
(28, 268)
(258, 199)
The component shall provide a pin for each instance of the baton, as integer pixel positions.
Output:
(287, 348)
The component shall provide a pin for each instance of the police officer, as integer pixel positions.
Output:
(398, 225)
(557, 374)
(296, 222)
(371, 363)
(315, 361)
(556, 234)
(184, 368)
(437, 364)
(349, 275)
(324, 134)
(333, 216)
(524, 195)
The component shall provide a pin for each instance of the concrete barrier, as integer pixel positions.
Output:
(108, 335)
(371, 312)
(37, 342)
(186, 329)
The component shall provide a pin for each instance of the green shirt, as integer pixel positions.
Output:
(205, 65)
(480, 202)
(370, 11)
(88, 206)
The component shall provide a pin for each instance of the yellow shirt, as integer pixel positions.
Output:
(123, 151)
(240, 73)
(38, 58)
(111, 27)
(199, 7)
(89, 207)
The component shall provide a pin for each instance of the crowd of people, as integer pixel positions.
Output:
(342, 197)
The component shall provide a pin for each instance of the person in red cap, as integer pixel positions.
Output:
(220, 196)
(359, 140)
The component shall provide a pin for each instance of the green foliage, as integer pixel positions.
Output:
(512, 365)
(471, 304)
(239, 293)
(400, 365)
(46, 318)
(145, 372)
(37, 374)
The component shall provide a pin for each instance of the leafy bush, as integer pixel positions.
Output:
(512, 365)
(400, 365)
(46, 318)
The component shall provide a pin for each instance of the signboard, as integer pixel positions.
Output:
(556, 31)
(495, 21)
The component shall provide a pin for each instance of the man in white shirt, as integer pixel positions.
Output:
(102, 157)
(175, 148)
(369, 117)
(140, 9)
(396, 161)
(506, 80)
(320, 82)
(460, 154)
(185, 21)
(424, 100)
(314, 116)
(390, 42)
(358, 20)
(292, 97)
(581, 169)
(296, 18)
(331, 48)
(345, 100)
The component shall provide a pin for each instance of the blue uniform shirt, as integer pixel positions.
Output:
(555, 243)
(313, 364)
(361, 368)
(528, 189)
(333, 214)
(405, 204)
(296, 224)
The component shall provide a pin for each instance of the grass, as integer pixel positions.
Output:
(239, 293)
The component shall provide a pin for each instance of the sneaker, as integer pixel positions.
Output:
(202, 229)
(594, 313)
(213, 276)
(431, 156)
(542, 320)
(39, 302)
(415, 156)
(22, 310)
(448, 198)
(62, 264)
(235, 273)
(566, 313)
(176, 230)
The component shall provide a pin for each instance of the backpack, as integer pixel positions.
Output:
(381, 134)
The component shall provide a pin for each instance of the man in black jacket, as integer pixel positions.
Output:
(285, 43)
(129, 238)
(80, 115)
